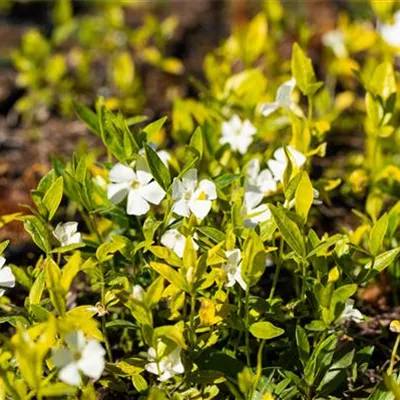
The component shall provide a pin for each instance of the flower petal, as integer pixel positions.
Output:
(268, 108)
(61, 357)
(248, 129)
(152, 192)
(92, 359)
(208, 188)
(136, 204)
(181, 208)
(277, 168)
(200, 208)
(143, 171)
(7, 278)
(239, 279)
(189, 179)
(120, 173)
(233, 257)
(75, 340)
(2, 261)
(178, 190)
(284, 93)
(116, 192)
(243, 143)
(70, 374)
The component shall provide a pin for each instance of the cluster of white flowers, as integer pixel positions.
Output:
(80, 356)
(164, 361)
(7, 278)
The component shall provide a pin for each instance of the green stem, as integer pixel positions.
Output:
(247, 337)
(393, 356)
(103, 317)
(191, 319)
(259, 369)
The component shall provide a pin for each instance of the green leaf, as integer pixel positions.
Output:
(35, 294)
(377, 235)
(253, 264)
(265, 330)
(38, 231)
(289, 230)
(303, 72)
(303, 345)
(383, 81)
(225, 180)
(158, 169)
(196, 141)
(53, 197)
(170, 275)
(153, 128)
(304, 196)
(88, 117)
(57, 389)
(212, 233)
(53, 276)
(70, 269)
(105, 251)
(383, 260)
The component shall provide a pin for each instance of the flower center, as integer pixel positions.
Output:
(76, 355)
(135, 184)
(188, 195)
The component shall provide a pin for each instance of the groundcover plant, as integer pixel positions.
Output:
(192, 258)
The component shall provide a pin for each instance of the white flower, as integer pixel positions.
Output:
(233, 269)
(335, 40)
(239, 134)
(391, 32)
(253, 216)
(7, 278)
(278, 165)
(257, 184)
(283, 98)
(175, 241)
(138, 293)
(189, 196)
(82, 355)
(164, 362)
(350, 313)
(67, 233)
(139, 186)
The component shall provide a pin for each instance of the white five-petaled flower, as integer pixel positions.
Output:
(257, 184)
(238, 134)
(175, 241)
(189, 196)
(233, 268)
(80, 356)
(335, 41)
(164, 362)
(391, 32)
(67, 233)
(139, 186)
(7, 278)
(350, 313)
(283, 98)
(278, 165)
